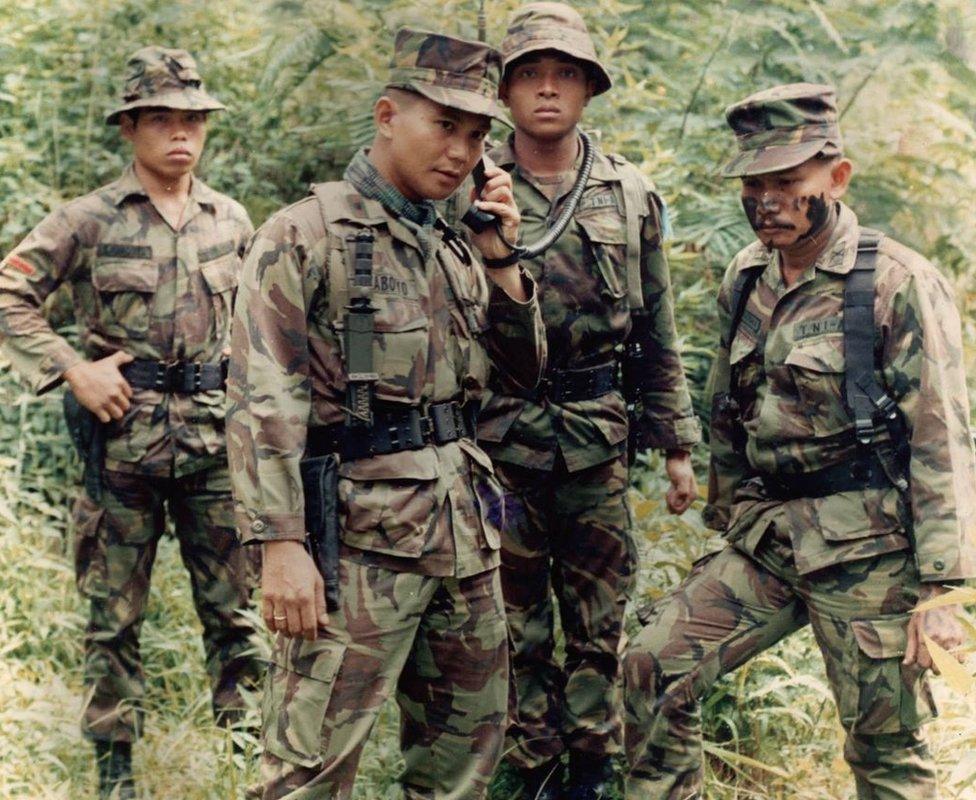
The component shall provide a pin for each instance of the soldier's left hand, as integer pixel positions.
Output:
(941, 625)
(684, 487)
(497, 198)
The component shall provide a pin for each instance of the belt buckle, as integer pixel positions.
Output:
(165, 376)
(445, 427)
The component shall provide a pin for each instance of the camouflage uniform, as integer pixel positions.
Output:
(851, 563)
(421, 611)
(160, 295)
(564, 462)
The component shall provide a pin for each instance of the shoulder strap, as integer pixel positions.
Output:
(636, 208)
(859, 335)
(745, 282)
(865, 397)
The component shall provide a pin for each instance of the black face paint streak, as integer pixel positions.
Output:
(751, 207)
(818, 212)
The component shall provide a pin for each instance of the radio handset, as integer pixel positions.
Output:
(477, 220)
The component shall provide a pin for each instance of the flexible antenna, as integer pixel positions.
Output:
(482, 22)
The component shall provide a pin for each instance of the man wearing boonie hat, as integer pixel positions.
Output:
(841, 469)
(365, 329)
(152, 261)
(561, 451)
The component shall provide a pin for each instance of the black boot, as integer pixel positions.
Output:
(590, 778)
(114, 760)
(543, 783)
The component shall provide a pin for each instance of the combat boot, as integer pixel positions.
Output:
(543, 783)
(590, 778)
(114, 760)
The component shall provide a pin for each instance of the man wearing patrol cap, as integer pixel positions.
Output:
(364, 331)
(841, 469)
(152, 261)
(561, 450)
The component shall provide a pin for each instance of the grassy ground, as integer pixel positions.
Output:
(773, 722)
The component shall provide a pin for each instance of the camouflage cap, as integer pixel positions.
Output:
(165, 78)
(782, 127)
(553, 26)
(456, 73)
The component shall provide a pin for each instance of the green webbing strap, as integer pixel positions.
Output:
(635, 209)
(359, 333)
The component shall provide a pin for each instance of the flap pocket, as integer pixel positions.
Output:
(604, 227)
(882, 637)
(387, 504)
(742, 347)
(220, 275)
(413, 464)
(300, 684)
(823, 355)
(125, 275)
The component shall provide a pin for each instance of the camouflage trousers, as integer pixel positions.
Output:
(115, 546)
(567, 535)
(729, 609)
(437, 644)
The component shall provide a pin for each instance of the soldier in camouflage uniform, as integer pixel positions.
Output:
(561, 450)
(823, 526)
(152, 260)
(420, 611)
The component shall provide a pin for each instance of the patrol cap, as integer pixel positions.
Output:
(163, 77)
(782, 127)
(457, 73)
(553, 26)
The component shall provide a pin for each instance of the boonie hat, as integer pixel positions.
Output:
(163, 77)
(553, 26)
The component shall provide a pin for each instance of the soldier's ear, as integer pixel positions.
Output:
(503, 91)
(840, 177)
(127, 126)
(383, 113)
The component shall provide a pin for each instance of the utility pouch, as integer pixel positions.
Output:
(320, 482)
(88, 436)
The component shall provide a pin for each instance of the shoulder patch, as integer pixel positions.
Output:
(20, 264)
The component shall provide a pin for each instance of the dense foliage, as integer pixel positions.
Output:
(299, 77)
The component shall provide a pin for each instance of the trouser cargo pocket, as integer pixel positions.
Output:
(90, 547)
(880, 694)
(299, 686)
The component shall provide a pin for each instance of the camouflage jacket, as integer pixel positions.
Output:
(789, 352)
(436, 327)
(583, 288)
(137, 286)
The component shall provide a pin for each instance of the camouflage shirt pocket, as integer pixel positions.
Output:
(606, 236)
(220, 277)
(388, 504)
(125, 288)
(817, 369)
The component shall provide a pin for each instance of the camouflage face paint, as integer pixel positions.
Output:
(818, 212)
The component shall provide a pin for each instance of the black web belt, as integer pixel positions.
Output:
(180, 377)
(571, 385)
(394, 430)
(848, 476)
